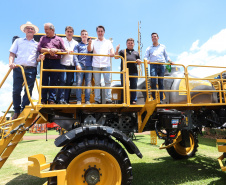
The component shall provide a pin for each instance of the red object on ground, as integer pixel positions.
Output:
(52, 125)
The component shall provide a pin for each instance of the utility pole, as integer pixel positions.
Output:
(140, 45)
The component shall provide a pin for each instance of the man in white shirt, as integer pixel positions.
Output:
(24, 52)
(101, 63)
(67, 78)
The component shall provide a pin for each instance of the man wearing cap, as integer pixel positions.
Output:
(101, 63)
(25, 51)
(52, 44)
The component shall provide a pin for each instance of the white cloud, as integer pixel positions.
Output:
(194, 46)
(216, 42)
(6, 89)
(211, 53)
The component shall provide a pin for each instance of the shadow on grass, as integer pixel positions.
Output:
(137, 138)
(163, 170)
(140, 136)
(27, 141)
(168, 171)
(25, 179)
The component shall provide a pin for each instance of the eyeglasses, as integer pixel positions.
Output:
(29, 28)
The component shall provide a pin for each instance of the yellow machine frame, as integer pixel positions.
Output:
(15, 129)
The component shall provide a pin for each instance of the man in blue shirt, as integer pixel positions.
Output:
(83, 62)
(25, 52)
(156, 53)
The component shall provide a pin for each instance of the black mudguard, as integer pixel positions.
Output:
(98, 130)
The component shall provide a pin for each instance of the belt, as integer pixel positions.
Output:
(28, 67)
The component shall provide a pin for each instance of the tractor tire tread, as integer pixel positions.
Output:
(70, 151)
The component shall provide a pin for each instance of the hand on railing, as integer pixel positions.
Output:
(111, 55)
(138, 61)
(13, 65)
(170, 61)
(53, 51)
(69, 51)
(40, 57)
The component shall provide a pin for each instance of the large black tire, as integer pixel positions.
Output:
(90, 146)
(180, 152)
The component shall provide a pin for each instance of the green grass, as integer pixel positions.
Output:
(156, 167)
(49, 132)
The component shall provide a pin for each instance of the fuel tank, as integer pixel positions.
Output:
(179, 84)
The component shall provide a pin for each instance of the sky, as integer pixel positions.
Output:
(194, 31)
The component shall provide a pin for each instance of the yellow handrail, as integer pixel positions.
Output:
(78, 87)
(126, 76)
(186, 78)
(26, 87)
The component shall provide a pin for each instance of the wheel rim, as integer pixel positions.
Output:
(91, 165)
(185, 150)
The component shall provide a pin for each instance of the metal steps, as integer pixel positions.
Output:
(14, 134)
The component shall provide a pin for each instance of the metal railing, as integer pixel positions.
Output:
(26, 87)
(187, 79)
(126, 89)
(77, 71)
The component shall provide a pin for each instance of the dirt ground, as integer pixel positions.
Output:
(35, 137)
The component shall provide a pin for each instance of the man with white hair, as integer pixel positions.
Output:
(25, 52)
(52, 44)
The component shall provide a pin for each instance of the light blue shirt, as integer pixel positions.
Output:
(25, 51)
(156, 54)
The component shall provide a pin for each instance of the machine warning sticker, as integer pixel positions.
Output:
(175, 123)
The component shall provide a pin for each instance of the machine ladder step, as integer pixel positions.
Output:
(3, 158)
(222, 148)
(12, 144)
(13, 136)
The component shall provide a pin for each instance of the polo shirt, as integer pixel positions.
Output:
(53, 42)
(101, 47)
(67, 60)
(25, 51)
(131, 55)
(156, 54)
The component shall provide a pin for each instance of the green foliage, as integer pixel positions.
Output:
(215, 132)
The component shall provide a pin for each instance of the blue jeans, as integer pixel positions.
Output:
(50, 79)
(18, 80)
(80, 77)
(157, 70)
(107, 81)
(133, 85)
(66, 79)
